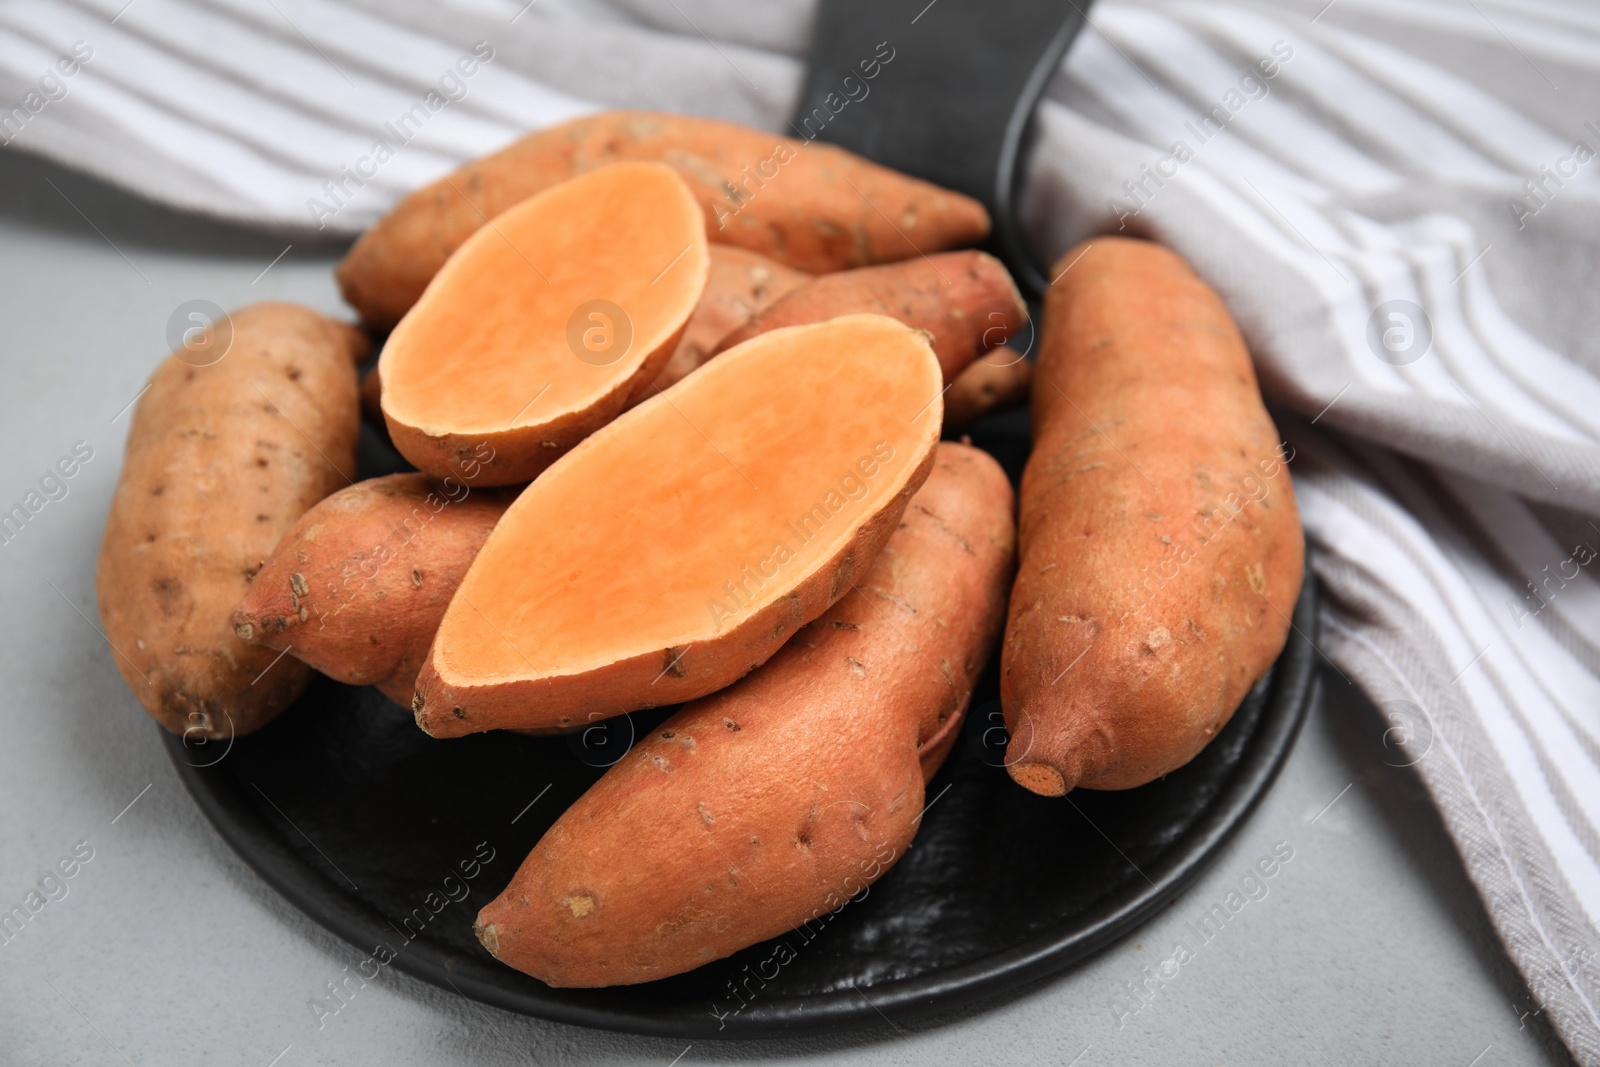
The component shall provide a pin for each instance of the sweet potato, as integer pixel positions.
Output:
(357, 587)
(993, 383)
(1161, 546)
(810, 205)
(543, 326)
(965, 300)
(680, 546)
(739, 286)
(771, 803)
(221, 460)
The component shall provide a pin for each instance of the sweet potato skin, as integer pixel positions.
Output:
(740, 285)
(772, 802)
(358, 585)
(808, 204)
(965, 300)
(993, 383)
(1161, 549)
(220, 461)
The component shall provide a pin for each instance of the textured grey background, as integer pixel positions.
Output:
(1370, 945)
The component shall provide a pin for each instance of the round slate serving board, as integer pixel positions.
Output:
(394, 840)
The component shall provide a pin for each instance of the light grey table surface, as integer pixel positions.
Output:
(1370, 946)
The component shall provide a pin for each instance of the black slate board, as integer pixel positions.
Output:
(356, 816)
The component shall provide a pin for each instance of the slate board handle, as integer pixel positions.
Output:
(953, 90)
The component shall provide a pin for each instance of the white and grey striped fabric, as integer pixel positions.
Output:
(1398, 199)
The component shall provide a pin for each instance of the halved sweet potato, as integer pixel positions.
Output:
(358, 585)
(545, 323)
(766, 806)
(965, 300)
(679, 547)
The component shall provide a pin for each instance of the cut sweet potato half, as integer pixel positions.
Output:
(679, 547)
(545, 323)
(773, 802)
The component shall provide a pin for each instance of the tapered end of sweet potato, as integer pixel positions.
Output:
(1039, 778)
(488, 934)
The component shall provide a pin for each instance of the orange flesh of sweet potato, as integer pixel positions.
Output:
(542, 326)
(357, 587)
(739, 285)
(221, 460)
(771, 803)
(679, 547)
(1161, 550)
(965, 300)
(810, 205)
(992, 383)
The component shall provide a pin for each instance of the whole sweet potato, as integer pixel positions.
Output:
(357, 588)
(808, 204)
(768, 805)
(966, 301)
(1161, 550)
(221, 460)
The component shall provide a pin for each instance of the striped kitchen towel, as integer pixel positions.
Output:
(1397, 198)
